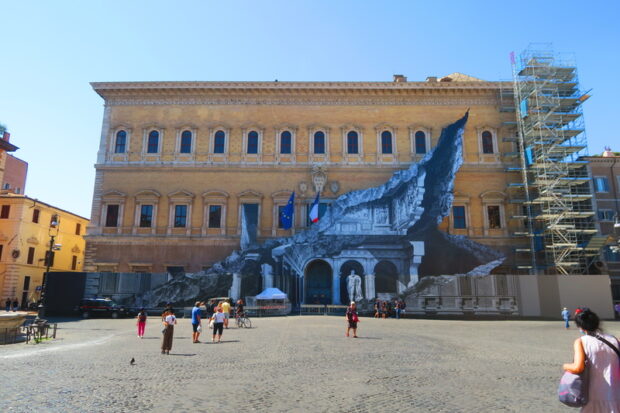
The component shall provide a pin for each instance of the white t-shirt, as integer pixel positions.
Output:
(219, 317)
(170, 319)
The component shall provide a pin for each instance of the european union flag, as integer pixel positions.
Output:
(286, 216)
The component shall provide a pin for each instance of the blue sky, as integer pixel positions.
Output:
(50, 52)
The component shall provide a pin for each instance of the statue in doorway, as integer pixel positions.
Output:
(267, 273)
(354, 286)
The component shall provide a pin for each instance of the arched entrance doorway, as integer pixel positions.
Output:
(318, 283)
(345, 270)
(386, 281)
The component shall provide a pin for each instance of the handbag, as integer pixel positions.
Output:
(573, 389)
(211, 324)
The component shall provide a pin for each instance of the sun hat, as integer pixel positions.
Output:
(352, 302)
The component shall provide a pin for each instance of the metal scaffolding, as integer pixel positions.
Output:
(553, 199)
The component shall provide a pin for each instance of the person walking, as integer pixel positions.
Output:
(226, 311)
(15, 304)
(169, 321)
(196, 322)
(352, 319)
(603, 364)
(377, 309)
(141, 322)
(8, 305)
(218, 324)
(566, 316)
(397, 308)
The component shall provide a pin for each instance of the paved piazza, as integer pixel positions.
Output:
(293, 364)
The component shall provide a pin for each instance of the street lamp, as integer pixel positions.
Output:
(49, 260)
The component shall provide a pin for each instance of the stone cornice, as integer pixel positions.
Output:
(299, 93)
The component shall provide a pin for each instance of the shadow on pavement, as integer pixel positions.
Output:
(182, 354)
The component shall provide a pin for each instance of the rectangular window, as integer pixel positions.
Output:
(1, 251)
(220, 142)
(111, 218)
(601, 184)
(352, 144)
(280, 211)
(605, 215)
(386, 143)
(35, 216)
(4, 212)
(493, 217)
(74, 263)
(487, 143)
(26, 282)
(180, 216)
(186, 143)
(146, 216)
(319, 143)
(322, 209)
(458, 215)
(420, 144)
(215, 216)
(30, 259)
(78, 228)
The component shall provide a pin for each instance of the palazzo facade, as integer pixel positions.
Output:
(178, 162)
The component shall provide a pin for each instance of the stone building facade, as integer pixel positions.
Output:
(24, 243)
(179, 161)
(605, 172)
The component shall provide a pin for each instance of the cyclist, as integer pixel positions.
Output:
(239, 312)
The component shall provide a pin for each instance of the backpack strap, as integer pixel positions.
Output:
(609, 344)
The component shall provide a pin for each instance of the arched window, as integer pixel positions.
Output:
(219, 144)
(186, 141)
(386, 142)
(153, 142)
(487, 142)
(420, 142)
(121, 141)
(285, 142)
(352, 142)
(253, 142)
(319, 142)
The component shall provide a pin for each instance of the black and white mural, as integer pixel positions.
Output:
(370, 243)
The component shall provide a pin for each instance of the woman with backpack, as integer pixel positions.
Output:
(602, 352)
(141, 323)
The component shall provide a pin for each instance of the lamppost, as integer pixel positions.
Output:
(49, 260)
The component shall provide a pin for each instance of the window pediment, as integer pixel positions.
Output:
(285, 126)
(281, 194)
(493, 195)
(249, 193)
(113, 194)
(33, 241)
(317, 127)
(181, 195)
(147, 194)
(385, 126)
(122, 126)
(215, 194)
(76, 249)
(351, 127)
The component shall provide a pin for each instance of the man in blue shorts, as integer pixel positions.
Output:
(196, 321)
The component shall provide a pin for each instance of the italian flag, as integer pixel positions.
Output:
(314, 210)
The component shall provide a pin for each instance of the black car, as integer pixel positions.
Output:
(102, 307)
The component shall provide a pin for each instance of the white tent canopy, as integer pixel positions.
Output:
(271, 294)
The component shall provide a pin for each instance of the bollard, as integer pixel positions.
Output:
(54, 334)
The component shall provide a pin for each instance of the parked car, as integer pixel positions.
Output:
(102, 307)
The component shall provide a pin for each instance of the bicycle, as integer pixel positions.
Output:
(243, 321)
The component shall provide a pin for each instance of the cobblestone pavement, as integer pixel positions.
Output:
(293, 364)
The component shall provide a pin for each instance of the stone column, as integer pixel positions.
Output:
(369, 279)
(416, 259)
(235, 288)
(336, 289)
